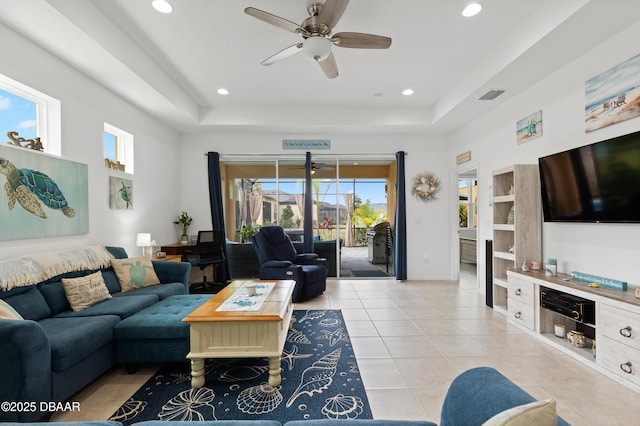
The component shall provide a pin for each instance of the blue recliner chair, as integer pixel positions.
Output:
(279, 261)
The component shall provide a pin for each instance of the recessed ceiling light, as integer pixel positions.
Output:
(162, 6)
(472, 9)
(407, 92)
(223, 91)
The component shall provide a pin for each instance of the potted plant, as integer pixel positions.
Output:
(183, 222)
(246, 233)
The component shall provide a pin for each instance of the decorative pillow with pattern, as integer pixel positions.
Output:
(537, 413)
(7, 311)
(135, 272)
(85, 291)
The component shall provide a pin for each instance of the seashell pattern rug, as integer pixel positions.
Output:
(320, 379)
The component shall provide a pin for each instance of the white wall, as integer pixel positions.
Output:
(86, 105)
(427, 223)
(609, 250)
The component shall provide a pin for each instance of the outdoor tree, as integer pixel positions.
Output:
(286, 219)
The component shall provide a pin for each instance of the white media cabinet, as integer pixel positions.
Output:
(616, 329)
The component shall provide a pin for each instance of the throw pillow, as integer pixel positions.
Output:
(7, 311)
(135, 272)
(537, 413)
(85, 291)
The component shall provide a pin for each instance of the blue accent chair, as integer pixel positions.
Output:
(279, 261)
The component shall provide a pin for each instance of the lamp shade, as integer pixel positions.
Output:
(143, 240)
(317, 47)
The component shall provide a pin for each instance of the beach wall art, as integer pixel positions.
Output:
(120, 193)
(613, 96)
(42, 195)
(529, 127)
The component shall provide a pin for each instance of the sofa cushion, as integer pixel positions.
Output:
(85, 291)
(111, 280)
(72, 340)
(537, 413)
(29, 304)
(162, 320)
(123, 307)
(161, 290)
(135, 272)
(7, 311)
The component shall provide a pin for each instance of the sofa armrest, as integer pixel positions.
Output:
(172, 272)
(306, 258)
(25, 367)
(480, 393)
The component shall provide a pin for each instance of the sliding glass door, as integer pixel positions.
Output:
(348, 197)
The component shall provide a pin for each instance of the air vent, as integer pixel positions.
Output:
(491, 95)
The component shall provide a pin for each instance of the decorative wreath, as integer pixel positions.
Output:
(425, 187)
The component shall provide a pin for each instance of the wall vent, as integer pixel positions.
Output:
(491, 95)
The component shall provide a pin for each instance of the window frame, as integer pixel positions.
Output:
(48, 113)
(124, 148)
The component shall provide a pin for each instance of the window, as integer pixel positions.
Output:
(118, 149)
(29, 118)
(467, 194)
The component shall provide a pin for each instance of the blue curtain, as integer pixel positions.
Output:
(308, 207)
(401, 220)
(217, 210)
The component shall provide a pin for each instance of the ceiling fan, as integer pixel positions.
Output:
(317, 166)
(316, 32)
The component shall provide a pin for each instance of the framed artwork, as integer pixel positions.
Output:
(42, 195)
(529, 127)
(120, 193)
(613, 96)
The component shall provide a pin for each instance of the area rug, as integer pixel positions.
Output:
(320, 379)
(368, 273)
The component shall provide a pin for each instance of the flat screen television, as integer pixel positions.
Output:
(594, 183)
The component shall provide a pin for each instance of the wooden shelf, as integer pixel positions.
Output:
(516, 200)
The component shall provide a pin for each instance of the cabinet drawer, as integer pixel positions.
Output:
(620, 325)
(521, 313)
(620, 359)
(520, 290)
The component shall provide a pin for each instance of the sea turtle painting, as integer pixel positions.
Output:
(28, 186)
(125, 193)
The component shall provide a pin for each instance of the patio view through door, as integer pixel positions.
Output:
(349, 196)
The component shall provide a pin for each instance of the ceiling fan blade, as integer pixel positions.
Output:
(332, 11)
(329, 66)
(361, 41)
(275, 20)
(284, 53)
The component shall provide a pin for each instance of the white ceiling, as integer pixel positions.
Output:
(172, 65)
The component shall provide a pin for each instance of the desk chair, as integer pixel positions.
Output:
(209, 251)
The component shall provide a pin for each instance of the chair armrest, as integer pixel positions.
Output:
(25, 367)
(280, 270)
(277, 264)
(312, 259)
(306, 258)
(172, 272)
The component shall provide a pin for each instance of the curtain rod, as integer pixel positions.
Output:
(361, 154)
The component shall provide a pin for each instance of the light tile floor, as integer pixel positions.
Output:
(412, 339)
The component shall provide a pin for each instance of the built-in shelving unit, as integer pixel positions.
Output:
(612, 341)
(517, 225)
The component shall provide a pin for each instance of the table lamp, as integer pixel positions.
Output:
(143, 240)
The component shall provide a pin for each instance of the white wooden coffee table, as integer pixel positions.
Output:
(241, 334)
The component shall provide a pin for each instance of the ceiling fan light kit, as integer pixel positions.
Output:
(317, 48)
(316, 30)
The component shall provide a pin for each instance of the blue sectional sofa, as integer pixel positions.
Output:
(54, 351)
